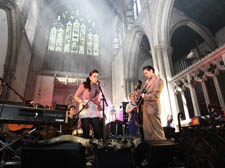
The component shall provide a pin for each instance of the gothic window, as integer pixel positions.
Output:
(20, 4)
(96, 45)
(137, 8)
(82, 39)
(90, 44)
(73, 33)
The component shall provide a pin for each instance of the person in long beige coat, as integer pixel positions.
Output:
(151, 108)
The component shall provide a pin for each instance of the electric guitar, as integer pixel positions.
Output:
(17, 127)
(139, 111)
(83, 108)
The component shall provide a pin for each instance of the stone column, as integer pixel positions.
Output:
(218, 91)
(205, 92)
(132, 82)
(126, 87)
(194, 99)
(186, 113)
(150, 36)
(162, 52)
(223, 57)
(7, 76)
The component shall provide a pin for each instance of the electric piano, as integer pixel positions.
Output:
(19, 114)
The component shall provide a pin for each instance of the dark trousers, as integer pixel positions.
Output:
(132, 129)
(95, 123)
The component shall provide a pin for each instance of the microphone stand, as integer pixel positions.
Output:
(104, 102)
(6, 84)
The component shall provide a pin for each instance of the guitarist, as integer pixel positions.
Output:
(131, 109)
(90, 114)
(139, 102)
(151, 108)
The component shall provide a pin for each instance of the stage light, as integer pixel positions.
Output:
(195, 121)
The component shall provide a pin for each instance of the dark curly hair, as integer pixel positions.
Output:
(149, 67)
(87, 83)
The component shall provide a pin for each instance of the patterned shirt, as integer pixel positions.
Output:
(86, 95)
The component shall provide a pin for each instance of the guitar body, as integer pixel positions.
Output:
(82, 108)
(17, 127)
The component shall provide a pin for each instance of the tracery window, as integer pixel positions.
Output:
(116, 40)
(137, 8)
(73, 33)
(20, 4)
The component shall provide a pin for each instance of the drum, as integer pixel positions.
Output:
(77, 132)
(115, 128)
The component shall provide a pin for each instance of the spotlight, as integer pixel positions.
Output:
(195, 121)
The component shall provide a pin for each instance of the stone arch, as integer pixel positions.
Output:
(10, 8)
(131, 56)
(202, 31)
(162, 22)
(13, 36)
(161, 50)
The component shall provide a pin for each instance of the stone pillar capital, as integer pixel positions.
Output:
(162, 47)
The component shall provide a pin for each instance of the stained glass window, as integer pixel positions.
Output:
(82, 39)
(90, 44)
(137, 8)
(96, 45)
(52, 39)
(59, 39)
(73, 33)
(75, 36)
(67, 42)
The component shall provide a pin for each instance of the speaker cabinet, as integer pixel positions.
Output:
(158, 154)
(114, 159)
(66, 155)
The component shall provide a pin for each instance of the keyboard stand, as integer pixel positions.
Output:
(8, 146)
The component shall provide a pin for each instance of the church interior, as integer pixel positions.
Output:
(48, 48)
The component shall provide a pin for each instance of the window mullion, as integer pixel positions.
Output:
(56, 39)
(64, 38)
(79, 37)
(93, 45)
(71, 35)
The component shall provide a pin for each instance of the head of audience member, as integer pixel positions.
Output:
(72, 111)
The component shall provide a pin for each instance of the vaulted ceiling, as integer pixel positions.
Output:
(209, 13)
